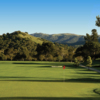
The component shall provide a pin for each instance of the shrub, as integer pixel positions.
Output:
(76, 62)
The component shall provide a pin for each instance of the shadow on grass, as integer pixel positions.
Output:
(37, 66)
(84, 69)
(15, 77)
(49, 98)
(97, 66)
(79, 80)
(51, 63)
(44, 66)
(90, 73)
(47, 64)
(3, 62)
(25, 63)
(95, 90)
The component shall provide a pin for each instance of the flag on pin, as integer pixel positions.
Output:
(64, 67)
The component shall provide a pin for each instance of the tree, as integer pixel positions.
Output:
(98, 21)
(70, 57)
(89, 62)
(66, 57)
(71, 51)
(47, 48)
(59, 58)
(87, 38)
(91, 38)
(76, 62)
(10, 52)
(94, 36)
(80, 59)
(50, 57)
(91, 46)
(41, 57)
(3, 57)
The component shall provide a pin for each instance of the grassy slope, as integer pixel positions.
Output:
(32, 38)
(39, 81)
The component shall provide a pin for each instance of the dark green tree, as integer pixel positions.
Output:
(41, 57)
(98, 21)
(59, 58)
(76, 62)
(47, 48)
(94, 36)
(89, 62)
(91, 46)
(91, 38)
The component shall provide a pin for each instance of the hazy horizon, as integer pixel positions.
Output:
(49, 16)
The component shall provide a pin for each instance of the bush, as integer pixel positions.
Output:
(76, 62)
(89, 62)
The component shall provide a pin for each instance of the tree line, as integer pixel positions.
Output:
(92, 46)
(13, 47)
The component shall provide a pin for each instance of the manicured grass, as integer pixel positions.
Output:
(32, 80)
(97, 91)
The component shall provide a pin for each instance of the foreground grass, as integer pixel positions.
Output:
(97, 91)
(30, 80)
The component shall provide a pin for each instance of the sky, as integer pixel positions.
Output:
(49, 16)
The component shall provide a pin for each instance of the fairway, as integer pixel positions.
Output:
(34, 80)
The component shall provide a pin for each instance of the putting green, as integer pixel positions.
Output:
(39, 81)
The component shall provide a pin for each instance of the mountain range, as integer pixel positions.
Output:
(63, 38)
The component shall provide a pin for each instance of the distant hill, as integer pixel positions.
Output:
(64, 38)
(27, 36)
(22, 46)
(19, 46)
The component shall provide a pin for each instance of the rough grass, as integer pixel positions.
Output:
(32, 38)
(28, 80)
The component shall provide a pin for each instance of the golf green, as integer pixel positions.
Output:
(33, 80)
